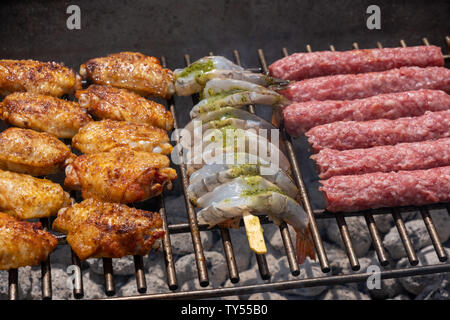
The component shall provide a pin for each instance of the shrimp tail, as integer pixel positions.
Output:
(304, 245)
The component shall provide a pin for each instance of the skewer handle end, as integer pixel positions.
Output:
(254, 233)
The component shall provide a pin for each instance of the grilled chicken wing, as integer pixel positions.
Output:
(131, 70)
(23, 243)
(44, 113)
(110, 230)
(31, 152)
(106, 102)
(26, 197)
(122, 175)
(106, 135)
(39, 77)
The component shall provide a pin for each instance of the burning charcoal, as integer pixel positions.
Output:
(417, 232)
(187, 270)
(416, 284)
(344, 293)
(182, 242)
(389, 288)
(242, 252)
(358, 230)
(155, 284)
(267, 296)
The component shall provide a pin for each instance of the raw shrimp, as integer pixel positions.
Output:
(225, 117)
(257, 196)
(220, 93)
(247, 141)
(193, 78)
(213, 175)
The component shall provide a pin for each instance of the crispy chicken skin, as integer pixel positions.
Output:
(31, 152)
(23, 243)
(39, 77)
(106, 135)
(59, 117)
(26, 197)
(106, 102)
(110, 230)
(131, 70)
(122, 175)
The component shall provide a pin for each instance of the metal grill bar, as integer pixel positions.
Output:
(323, 214)
(141, 283)
(285, 235)
(193, 224)
(323, 259)
(46, 278)
(13, 284)
(412, 257)
(260, 258)
(237, 59)
(78, 292)
(442, 255)
(229, 254)
(289, 249)
(294, 284)
(167, 246)
(345, 235)
(228, 249)
(370, 221)
(262, 266)
(319, 214)
(376, 239)
(110, 287)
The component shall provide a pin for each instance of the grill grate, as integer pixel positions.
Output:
(194, 229)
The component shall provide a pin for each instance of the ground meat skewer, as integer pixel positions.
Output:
(299, 66)
(301, 116)
(344, 135)
(357, 86)
(392, 189)
(402, 156)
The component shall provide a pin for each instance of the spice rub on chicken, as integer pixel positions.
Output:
(110, 230)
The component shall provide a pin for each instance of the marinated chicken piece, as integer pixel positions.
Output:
(31, 152)
(131, 70)
(39, 77)
(44, 113)
(106, 102)
(23, 243)
(106, 135)
(122, 175)
(110, 230)
(26, 197)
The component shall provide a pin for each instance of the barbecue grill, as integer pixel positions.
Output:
(194, 229)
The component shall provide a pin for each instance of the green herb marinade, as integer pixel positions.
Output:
(197, 68)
